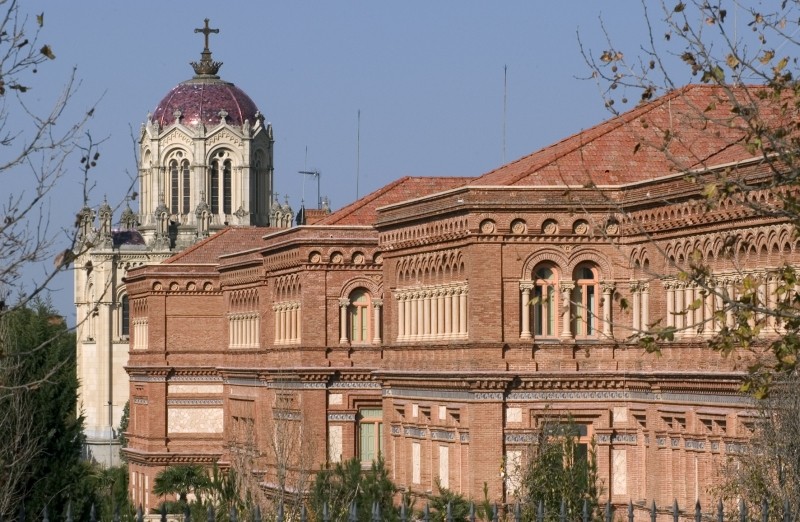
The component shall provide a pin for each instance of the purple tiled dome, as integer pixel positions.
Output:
(201, 100)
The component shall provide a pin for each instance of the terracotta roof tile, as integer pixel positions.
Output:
(364, 211)
(701, 127)
(226, 241)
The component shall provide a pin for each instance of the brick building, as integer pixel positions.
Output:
(439, 322)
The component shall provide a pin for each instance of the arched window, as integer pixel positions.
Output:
(174, 191)
(221, 182)
(545, 302)
(358, 317)
(584, 302)
(185, 189)
(125, 317)
(179, 184)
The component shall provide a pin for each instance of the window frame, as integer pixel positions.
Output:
(585, 302)
(359, 309)
(375, 422)
(544, 313)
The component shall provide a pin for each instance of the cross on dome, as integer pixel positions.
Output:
(206, 31)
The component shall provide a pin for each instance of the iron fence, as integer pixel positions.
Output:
(504, 513)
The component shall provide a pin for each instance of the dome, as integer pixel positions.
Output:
(200, 100)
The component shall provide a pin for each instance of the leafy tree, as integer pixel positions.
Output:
(458, 506)
(181, 480)
(748, 54)
(346, 483)
(558, 469)
(40, 457)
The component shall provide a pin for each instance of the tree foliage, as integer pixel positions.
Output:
(748, 52)
(559, 468)
(346, 484)
(749, 55)
(42, 434)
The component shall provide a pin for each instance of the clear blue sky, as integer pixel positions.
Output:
(427, 77)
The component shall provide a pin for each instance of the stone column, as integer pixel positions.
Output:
(636, 299)
(277, 312)
(376, 320)
(426, 315)
(669, 286)
(680, 312)
(526, 310)
(730, 290)
(401, 317)
(566, 288)
(407, 319)
(644, 289)
(462, 311)
(343, 304)
(456, 319)
(771, 301)
(448, 312)
(608, 293)
(708, 309)
(293, 322)
(420, 330)
(440, 298)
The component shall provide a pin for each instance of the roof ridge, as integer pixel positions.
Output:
(595, 132)
(183, 253)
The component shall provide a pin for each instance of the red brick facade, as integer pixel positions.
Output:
(408, 323)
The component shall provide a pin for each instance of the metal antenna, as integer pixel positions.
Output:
(314, 173)
(358, 151)
(505, 106)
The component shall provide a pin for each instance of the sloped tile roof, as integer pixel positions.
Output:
(686, 129)
(364, 210)
(226, 241)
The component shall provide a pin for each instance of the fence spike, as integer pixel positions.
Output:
(698, 511)
(326, 517)
(257, 515)
(540, 511)
(517, 512)
(585, 510)
(163, 512)
(720, 511)
(472, 512)
(45, 518)
(426, 515)
(787, 511)
(139, 514)
(653, 512)
(765, 510)
(92, 514)
(675, 511)
(234, 516)
(280, 511)
(187, 515)
(449, 513)
(742, 510)
(609, 513)
(210, 514)
(116, 513)
(402, 512)
(69, 511)
(378, 514)
(630, 510)
(562, 511)
(494, 512)
(303, 513)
